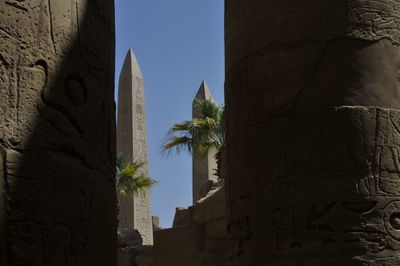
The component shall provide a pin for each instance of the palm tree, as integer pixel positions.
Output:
(128, 179)
(199, 135)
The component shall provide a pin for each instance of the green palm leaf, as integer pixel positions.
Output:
(128, 179)
(198, 135)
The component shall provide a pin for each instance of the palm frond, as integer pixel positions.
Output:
(206, 107)
(178, 144)
(199, 135)
(184, 126)
(143, 182)
(128, 179)
(121, 161)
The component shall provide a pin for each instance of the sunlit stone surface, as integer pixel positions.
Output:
(135, 210)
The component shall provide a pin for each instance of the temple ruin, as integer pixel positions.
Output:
(199, 234)
(57, 133)
(312, 98)
(311, 162)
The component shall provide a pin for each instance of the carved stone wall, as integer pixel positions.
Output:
(313, 132)
(57, 132)
(198, 237)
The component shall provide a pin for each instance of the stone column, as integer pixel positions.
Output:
(204, 166)
(313, 132)
(57, 133)
(135, 210)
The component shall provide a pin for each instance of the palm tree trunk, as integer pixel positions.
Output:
(313, 135)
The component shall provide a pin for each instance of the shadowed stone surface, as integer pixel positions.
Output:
(203, 166)
(199, 234)
(198, 237)
(313, 139)
(129, 245)
(135, 211)
(57, 133)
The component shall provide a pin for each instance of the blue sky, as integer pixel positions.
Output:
(178, 43)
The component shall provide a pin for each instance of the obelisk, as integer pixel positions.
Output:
(204, 166)
(135, 210)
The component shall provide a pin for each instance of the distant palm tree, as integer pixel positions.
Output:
(128, 179)
(199, 135)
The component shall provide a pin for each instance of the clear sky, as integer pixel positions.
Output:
(178, 43)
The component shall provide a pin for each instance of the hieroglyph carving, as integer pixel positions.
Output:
(354, 149)
(312, 99)
(135, 210)
(57, 131)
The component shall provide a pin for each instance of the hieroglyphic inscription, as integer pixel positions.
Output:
(59, 220)
(135, 210)
(57, 131)
(365, 210)
(296, 208)
(305, 130)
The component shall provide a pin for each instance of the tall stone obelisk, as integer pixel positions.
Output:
(135, 211)
(203, 165)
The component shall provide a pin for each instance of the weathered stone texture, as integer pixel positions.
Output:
(135, 210)
(156, 223)
(129, 245)
(198, 237)
(57, 132)
(204, 166)
(312, 96)
(3, 229)
(298, 23)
